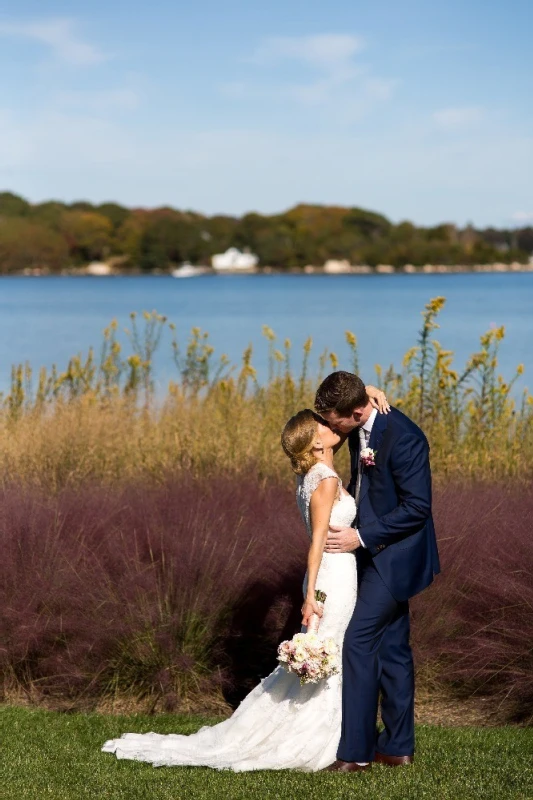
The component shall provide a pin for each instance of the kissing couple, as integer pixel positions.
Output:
(372, 547)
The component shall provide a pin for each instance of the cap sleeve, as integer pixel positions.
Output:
(315, 476)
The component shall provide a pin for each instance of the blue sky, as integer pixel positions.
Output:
(419, 110)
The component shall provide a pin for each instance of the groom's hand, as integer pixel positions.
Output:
(342, 540)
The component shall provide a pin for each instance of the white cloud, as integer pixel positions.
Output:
(99, 101)
(337, 77)
(331, 53)
(458, 118)
(55, 143)
(351, 98)
(522, 216)
(60, 36)
(379, 88)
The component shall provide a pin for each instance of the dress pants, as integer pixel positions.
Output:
(376, 658)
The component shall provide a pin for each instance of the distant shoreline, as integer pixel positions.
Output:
(380, 269)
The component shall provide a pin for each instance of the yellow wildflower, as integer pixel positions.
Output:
(268, 333)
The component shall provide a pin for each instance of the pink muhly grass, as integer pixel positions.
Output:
(180, 594)
(147, 591)
(474, 627)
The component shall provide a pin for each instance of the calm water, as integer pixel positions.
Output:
(46, 320)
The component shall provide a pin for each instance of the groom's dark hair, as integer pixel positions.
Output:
(341, 392)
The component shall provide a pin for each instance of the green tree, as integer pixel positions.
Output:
(11, 205)
(116, 214)
(49, 213)
(127, 240)
(168, 239)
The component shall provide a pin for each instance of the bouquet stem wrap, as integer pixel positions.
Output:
(314, 622)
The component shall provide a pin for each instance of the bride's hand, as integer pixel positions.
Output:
(377, 399)
(309, 608)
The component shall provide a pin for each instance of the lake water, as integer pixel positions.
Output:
(47, 320)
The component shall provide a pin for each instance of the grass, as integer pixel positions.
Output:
(48, 754)
(100, 420)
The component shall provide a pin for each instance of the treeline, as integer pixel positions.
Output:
(54, 236)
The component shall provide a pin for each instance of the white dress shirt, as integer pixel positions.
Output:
(367, 428)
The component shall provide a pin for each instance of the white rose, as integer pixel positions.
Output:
(299, 654)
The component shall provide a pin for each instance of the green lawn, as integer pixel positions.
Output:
(52, 755)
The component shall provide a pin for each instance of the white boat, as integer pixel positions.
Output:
(188, 271)
(233, 260)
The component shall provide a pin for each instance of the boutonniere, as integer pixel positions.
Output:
(368, 457)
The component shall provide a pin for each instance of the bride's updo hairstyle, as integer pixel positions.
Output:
(297, 440)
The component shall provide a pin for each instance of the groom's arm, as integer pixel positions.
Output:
(412, 477)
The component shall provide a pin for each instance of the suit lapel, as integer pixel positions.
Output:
(378, 429)
(376, 435)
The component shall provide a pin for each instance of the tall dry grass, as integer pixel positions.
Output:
(98, 420)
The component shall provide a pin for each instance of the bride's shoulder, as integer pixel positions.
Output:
(321, 469)
(316, 474)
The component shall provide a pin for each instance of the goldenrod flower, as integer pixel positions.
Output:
(409, 356)
(268, 333)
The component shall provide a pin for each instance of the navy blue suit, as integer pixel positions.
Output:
(400, 559)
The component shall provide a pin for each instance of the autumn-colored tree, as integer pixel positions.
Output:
(87, 233)
(29, 245)
(306, 234)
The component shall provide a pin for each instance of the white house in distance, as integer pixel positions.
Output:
(98, 268)
(233, 259)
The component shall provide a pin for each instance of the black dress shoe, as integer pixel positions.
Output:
(393, 761)
(346, 766)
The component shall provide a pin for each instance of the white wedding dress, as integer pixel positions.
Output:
(280, 724)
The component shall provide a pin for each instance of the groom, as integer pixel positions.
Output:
(396, 550)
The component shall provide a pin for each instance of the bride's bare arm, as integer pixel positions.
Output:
(320, 506)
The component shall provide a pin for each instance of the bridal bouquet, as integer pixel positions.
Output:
(307, 655)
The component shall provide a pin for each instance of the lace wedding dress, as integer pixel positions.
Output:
(280, 724)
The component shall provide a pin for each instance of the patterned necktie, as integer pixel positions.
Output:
(362, 445)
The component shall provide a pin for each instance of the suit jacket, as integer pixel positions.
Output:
(394, 514)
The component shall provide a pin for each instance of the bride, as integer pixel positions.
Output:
(281, 724)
